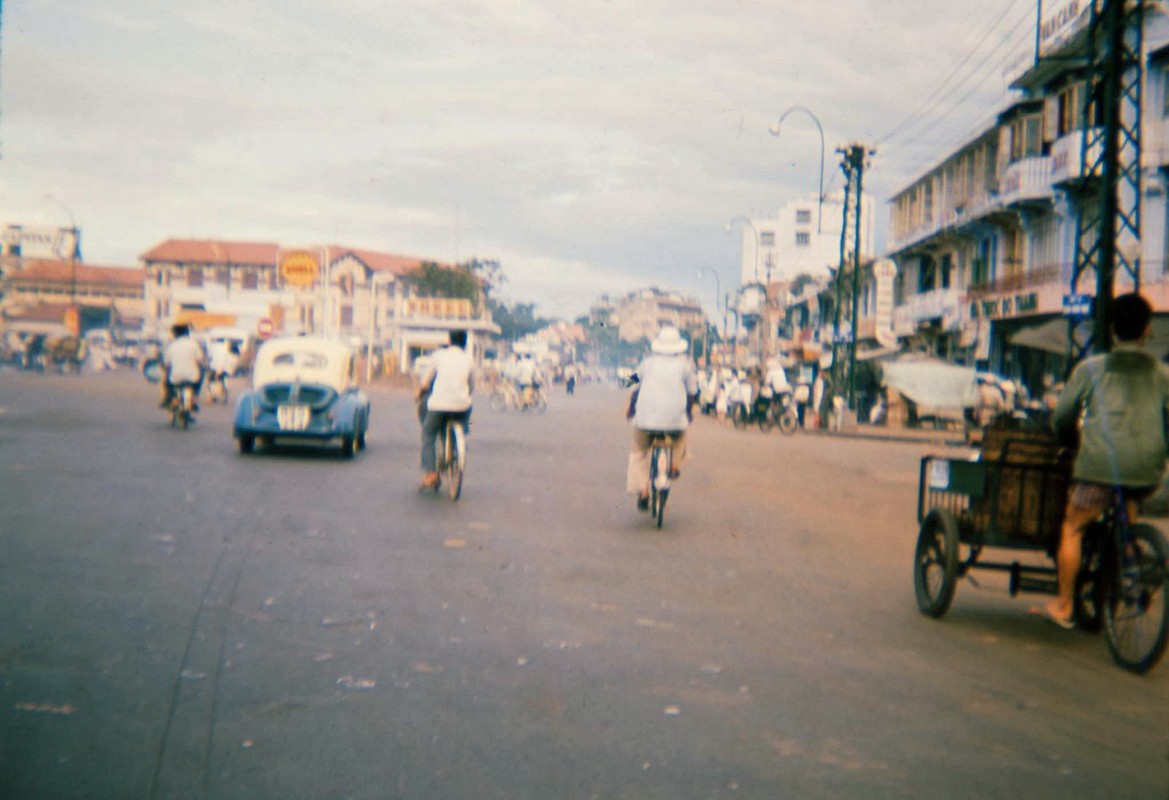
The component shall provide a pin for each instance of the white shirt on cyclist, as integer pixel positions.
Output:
(777, 380)
(184, 359)
(525, 374)
(666, 381)
(451, 377)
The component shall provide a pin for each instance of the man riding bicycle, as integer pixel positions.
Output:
(663, 402)
(446, 391)
(182, 363)
(1121, 402)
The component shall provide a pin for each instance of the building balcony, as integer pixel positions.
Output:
(1026, 181)
(1017, 282)
(1067, 162)
(943, 304)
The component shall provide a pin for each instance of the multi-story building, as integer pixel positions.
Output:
(985, 241)
(356, 295)
(641, 314)
(38, 293)
(802, 239)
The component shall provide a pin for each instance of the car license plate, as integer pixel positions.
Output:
(293, 418)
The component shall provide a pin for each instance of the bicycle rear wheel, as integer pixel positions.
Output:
(1136, 603)
(659, 482)
(456, 449)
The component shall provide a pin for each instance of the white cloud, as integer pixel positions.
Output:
(589, 145)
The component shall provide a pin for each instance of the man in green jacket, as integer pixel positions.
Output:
(1120, 401)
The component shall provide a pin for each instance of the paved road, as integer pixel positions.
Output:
(177, 620)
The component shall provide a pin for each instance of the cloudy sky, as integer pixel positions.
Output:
(589, 145)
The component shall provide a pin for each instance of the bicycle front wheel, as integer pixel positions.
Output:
(1136, 605)
(456, 459)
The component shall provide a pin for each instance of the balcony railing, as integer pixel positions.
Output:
(1067, 152)
(1013, 283)
(1026, 179)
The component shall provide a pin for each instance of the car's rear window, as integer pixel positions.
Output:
(310, 360)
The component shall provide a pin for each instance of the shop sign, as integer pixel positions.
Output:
(1003, 307)
(299, 269)
(1062, 23)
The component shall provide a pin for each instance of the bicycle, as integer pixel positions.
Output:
(661, 466)
(783, 413)
(451, 456)
(182, 406)
(1124, 579)
(503, 397)
(1013, 499)
(532, 398)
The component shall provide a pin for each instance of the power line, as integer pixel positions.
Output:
(923, 107)
(1021, 34)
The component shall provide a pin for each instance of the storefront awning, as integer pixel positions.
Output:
(935, 386)
(1052, 337)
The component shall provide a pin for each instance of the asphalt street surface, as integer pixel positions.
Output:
(178, 620)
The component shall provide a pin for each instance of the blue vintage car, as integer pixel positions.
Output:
(303, 389)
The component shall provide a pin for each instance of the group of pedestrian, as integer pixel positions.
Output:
(725, 392)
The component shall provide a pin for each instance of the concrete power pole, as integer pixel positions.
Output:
(854, 169)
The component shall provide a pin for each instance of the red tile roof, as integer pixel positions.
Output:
(378, 262)
(207, 251)
(199, 251)
(37, 270)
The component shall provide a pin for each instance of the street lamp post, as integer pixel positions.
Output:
(718, 292)
(380, 277)
(730, 225)
(73, 318)
(328, 270)
(775, 132)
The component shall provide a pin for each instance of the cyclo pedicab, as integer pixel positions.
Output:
(1011, 497)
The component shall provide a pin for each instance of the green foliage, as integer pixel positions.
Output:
(432, 280)
(516, 321)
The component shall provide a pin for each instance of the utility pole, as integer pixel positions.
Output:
(1108, 194)
(837, 372)
(854, 168)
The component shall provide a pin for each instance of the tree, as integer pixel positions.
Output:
(433, 280)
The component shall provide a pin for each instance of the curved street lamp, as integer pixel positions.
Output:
(730, 225)
(820, 128)
(74, 252)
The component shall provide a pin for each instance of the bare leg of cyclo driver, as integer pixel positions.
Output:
(1076, 521)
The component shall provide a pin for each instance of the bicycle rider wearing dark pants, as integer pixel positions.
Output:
(446, 390)
(665, 397)
(1123, 398)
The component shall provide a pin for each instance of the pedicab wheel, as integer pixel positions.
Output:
(348, 447)
(540, 404)
(1136, 600)
(1088, 602)
(935, 567)
(247, 444)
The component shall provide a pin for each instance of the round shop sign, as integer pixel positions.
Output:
(264, 328)
(299, 269)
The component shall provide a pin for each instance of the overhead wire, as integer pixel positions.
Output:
(922, 106)
(1020, 28)
(1019, 39)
